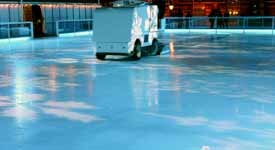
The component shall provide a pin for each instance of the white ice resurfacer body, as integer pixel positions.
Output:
(126, 31)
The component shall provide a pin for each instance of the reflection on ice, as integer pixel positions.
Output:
(5, 104)
(264, 117)
(21, 113)
(215, 125)
(27, 97)
(69, 105)
(172, 50)
(5, 81)
(232, 143)
(186, 121)
(71, 84)
(4, 98)
(63, 113)
(24, 112)
(64, 60)
(205, 148)
(224, 125)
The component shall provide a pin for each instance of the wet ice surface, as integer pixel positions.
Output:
(208, 93)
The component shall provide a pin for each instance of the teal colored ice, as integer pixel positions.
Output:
(205, 92)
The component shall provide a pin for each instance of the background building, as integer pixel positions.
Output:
(235, 7)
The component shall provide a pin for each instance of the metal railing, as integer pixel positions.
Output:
(9, 30)
(73, 26)
(242, 24)
(236, 24)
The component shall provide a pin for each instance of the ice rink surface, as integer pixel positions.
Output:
(205, 92)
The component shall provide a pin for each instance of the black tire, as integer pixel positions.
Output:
(100, 56)
(154, 48)
(137, 51)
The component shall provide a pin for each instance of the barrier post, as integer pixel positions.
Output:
(31, 28)
(244, 22)
(57, 28)
(9, 31)
(273, 20)
(163, 24)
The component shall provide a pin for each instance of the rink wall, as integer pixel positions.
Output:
(51, 13)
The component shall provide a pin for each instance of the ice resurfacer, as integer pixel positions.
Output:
(128, 31)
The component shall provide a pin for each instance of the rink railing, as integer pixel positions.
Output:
(74, 27)
(259, 24)
(236, 24)
(16, 30)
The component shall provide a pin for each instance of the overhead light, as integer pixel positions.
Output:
(171, 7)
